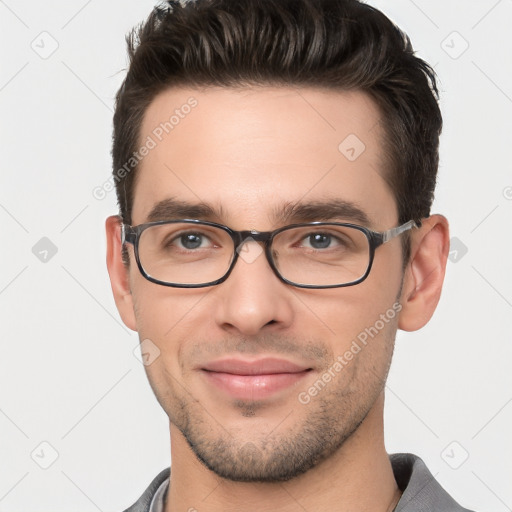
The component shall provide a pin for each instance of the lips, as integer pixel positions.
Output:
(253, 380)
(267, 366)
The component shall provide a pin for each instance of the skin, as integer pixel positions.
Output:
(252, 150)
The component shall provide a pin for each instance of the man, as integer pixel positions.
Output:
(275, 163)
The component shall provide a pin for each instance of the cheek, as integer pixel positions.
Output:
(166, 320)
(364, 346)
(170, 318)
(359, 314)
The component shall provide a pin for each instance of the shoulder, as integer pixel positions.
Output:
(421, 492)
(144, 502)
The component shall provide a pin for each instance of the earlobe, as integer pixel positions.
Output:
(118, 272)
(424, 274)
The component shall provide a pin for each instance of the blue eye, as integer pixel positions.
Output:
(191, 240)
(319, 240)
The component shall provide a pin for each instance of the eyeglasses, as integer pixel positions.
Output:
(189, 253)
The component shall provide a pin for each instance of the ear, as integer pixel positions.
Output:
(424, 274)
(119, 273)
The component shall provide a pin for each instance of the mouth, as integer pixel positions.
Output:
(253, 380)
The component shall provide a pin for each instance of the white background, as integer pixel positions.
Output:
(68, 375)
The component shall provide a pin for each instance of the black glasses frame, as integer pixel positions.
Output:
(131, 235)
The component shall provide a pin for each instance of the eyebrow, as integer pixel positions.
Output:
(331, 210)
(293, 212)
(171, 209)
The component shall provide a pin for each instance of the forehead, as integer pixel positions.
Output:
(248, 151)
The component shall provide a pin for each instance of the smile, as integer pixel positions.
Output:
(253, 380)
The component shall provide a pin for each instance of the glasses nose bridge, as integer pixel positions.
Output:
(253, 236)
(261, 237)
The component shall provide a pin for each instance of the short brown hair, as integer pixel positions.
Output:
(340, 44)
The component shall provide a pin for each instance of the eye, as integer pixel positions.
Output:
(320, 241)
(191, 241)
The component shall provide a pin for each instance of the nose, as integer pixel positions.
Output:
(253, 298)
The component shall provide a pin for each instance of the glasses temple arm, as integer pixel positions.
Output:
(127, 234)
(394, 232)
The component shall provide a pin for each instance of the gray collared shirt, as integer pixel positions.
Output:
(420, 490)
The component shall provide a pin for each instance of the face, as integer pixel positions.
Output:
(247, 371)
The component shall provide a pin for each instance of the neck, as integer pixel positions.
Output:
(358, 476)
